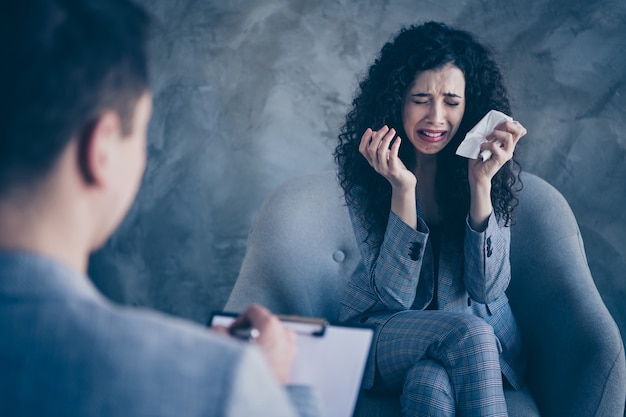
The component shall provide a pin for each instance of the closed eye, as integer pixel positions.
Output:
(449, 103)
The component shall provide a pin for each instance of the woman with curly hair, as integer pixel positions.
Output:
(433, 227)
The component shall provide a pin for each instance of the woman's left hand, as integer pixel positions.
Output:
(501, 143)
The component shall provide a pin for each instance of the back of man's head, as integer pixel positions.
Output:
(64, 62)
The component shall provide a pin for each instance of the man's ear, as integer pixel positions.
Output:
(95, 147)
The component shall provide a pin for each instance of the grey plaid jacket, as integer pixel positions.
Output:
(399, 274)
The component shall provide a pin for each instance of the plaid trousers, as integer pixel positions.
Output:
(445, 363)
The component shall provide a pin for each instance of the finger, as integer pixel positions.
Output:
(371, 147)
(365, 140)
(386, 140)
(374, 145)
(515, 128)
(394, 153)
(383, 149)
(487, 150)
(255, 316)
(512, 127)
(270, 330)
(380, 134)
(377, 137)
(291, 336)
(499, 152)
(484, 152)
(502, 139)
(519, 131)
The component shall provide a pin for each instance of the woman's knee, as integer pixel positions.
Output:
(470, 336)
(474, 329)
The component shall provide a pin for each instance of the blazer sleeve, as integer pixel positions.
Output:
(391, 266)
(487, 270)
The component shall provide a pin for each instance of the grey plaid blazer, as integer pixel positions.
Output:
(398, 274)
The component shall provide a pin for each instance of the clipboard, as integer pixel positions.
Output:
(330, 357)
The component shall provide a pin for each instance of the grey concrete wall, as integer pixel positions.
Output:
(248, 94)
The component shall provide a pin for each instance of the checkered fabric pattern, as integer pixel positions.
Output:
(445, 363)
(396, 274)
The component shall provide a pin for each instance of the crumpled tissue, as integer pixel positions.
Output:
(470, 147)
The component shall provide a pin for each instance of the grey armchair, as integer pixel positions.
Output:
(301, 250)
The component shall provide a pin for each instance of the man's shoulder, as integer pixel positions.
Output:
(148, 330)
(63, 304)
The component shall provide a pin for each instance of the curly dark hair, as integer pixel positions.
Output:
(379, 102)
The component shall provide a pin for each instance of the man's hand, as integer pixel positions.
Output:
(276, 341)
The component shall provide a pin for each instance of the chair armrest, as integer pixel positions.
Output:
(575, 351)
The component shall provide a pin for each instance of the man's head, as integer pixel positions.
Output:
(64, 63)
(73, 80)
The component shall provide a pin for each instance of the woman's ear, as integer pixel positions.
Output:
(96, 146)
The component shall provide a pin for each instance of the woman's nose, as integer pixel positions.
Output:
(436, 113)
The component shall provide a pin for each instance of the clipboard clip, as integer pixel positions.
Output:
(309, 326)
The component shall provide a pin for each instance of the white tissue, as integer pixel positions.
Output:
(470, 147)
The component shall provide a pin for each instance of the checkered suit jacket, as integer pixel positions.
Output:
(398, 274)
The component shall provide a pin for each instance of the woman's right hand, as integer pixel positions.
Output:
(382, 155)
(375, 147)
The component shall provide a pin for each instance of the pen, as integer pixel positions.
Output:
(247, 334)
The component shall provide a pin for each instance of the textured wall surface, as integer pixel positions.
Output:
(249, 93)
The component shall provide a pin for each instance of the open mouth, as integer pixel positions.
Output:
(432, 135)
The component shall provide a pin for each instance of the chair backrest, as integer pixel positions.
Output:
(301, 251)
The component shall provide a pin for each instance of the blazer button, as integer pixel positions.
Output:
(415, 251)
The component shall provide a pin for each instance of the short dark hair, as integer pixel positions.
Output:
(379, 101)
(65, 62)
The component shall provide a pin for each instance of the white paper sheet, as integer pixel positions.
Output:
(333, 363)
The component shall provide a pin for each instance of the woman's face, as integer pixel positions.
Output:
(433, 108)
